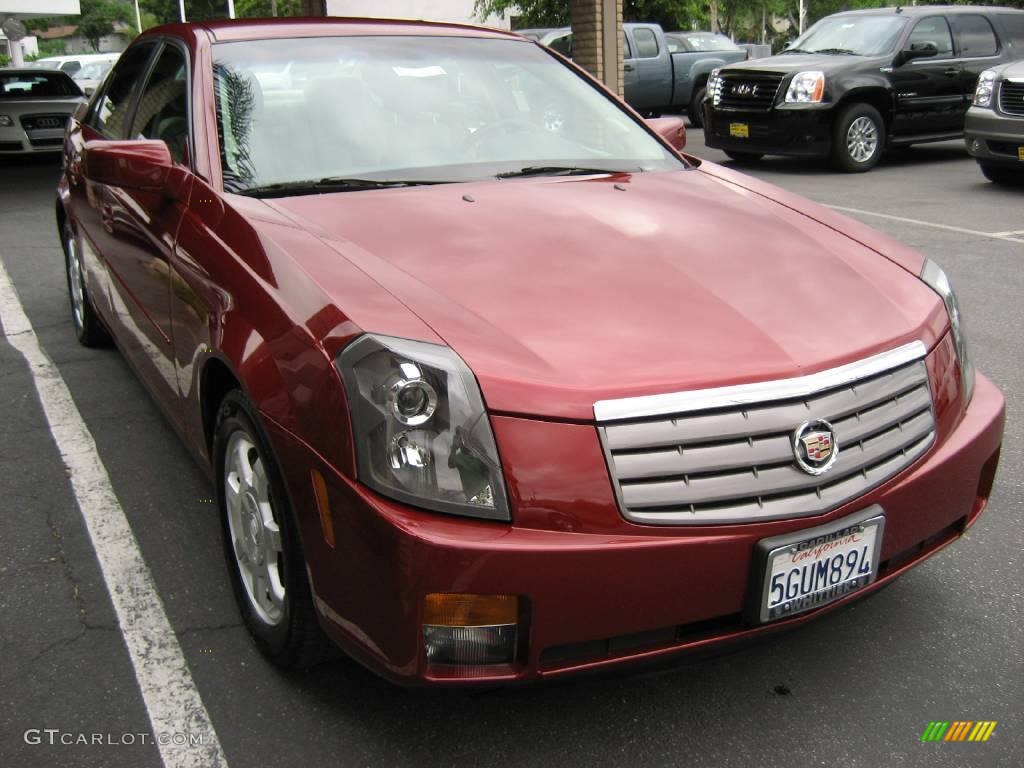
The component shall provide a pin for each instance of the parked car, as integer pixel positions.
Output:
(93, 72)
(491, 397)
(558, 38)
(694, 55)
(35, 105)
(995, 123)
(858, 82)
(72, 63)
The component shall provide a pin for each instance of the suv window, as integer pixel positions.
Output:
(646, 43)
(627, 52)
(1014, 23)
(162, 112)
(110, 114)
(976, 36)
(933, 29)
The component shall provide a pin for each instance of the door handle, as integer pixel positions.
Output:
(627, 67)
(951, 72)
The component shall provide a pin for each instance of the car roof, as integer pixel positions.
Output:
(81, 57)
(925, 10)
(33, 71)
(269, 29)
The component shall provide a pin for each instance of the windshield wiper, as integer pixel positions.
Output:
(794, 50)
(333, 184)
(559, 170)
(837, 50)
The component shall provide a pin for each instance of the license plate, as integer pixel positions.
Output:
(818, 566)
(739, 130)
(1020, 153)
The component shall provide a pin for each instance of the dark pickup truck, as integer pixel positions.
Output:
(858, 82)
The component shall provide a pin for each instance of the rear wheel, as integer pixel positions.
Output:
(696, 104)
(88, 329)
(1000, 174)
(261, 543)
(744, 158)
(858, 138)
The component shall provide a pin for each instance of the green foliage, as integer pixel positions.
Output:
(98, 18)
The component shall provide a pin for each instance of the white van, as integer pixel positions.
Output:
(73, 62)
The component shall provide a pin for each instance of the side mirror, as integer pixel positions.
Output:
(671, 129)
(144, 165)
(919, 51)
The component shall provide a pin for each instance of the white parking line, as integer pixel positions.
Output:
(170, 695)
(1008, 236)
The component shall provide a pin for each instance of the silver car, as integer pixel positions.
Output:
(994, 129)
(35, 105)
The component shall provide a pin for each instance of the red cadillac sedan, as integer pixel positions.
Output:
(493, 382)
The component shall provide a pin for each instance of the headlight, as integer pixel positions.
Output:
(421, 432)
(714, 86)
(6, 121)
(806, 88)
(983, 90)
(937, 280)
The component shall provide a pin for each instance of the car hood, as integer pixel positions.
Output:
(40, 106)
(561, 292)
(800, 62)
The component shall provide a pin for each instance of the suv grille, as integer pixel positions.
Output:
(726, 456)
(1011, 98)
(747, 91)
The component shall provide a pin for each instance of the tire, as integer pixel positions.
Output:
(88, 329)
(1000, 174)
(694, 110)
(743, 158)
(261, 542)
(858, 138)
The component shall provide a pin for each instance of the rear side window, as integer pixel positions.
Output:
(977, 38)
(1014, 24)
(627, 52)
(162, 112)
(110, 115)
(646, 43)
(933, 30)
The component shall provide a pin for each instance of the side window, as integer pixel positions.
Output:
(976, 36)
(933, 29)
(162, 112)
(70, 67)
(110, 114)
(646, 43)
(1014, 24)
(627, 52)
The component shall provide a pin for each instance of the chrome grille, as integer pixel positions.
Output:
(726, 456)
(1011, 98)
(746, 91)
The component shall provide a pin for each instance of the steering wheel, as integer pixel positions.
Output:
(506, 125)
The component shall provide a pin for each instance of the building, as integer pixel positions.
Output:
(73, 42)
(22, 9)
(460, 11)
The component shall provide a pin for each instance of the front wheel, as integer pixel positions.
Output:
(88, 329)
(694, 111)
(261, 541)
(743, 158)
(858, 138)
(1000, 174)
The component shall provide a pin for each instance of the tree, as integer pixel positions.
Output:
(98, 19)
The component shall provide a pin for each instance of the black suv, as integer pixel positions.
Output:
(860, 81)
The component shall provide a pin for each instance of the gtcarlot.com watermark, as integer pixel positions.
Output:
(56, 737)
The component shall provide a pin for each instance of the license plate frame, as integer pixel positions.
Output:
(739, 130)
(868, 523)
(1020, 153)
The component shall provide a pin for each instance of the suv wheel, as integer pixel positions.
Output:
(694, 110)
(1000, 174)
(743, 158)
(858, 138)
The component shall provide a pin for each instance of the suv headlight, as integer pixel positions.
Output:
(714, 86)
(983, 90)
(421, 432)
(806, 88)
(937, 280)
(6, 121)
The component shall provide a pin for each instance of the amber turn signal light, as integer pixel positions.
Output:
(445, 609)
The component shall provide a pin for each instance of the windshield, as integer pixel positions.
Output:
(46, 64)
(412, 108)
(37, 85)
(703, 41)
(93, 71)
(860, 35)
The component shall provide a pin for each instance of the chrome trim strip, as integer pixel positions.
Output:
(757, 392)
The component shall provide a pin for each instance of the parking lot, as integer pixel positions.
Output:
(857, 688)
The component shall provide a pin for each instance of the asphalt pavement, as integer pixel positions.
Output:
(856, 688)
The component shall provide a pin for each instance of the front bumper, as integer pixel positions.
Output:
(15, 141)
(994, 139)
(804, 131)
(628, 595)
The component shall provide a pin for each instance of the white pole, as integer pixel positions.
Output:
(231, 9)
(803, 13)
(17, 54)
(138, 18)
(181, 8)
